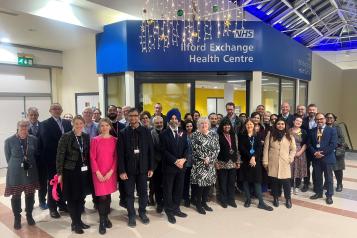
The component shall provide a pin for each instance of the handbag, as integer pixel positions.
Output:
(340, 152)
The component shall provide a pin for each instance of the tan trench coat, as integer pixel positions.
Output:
(278, 155)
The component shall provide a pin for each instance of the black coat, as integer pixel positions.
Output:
(172, 150)
(49, 136)
(289, 121)
(117, 127)
(248, 173)
(224, 154)
(127, 161)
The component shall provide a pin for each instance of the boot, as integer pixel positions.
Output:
(108, 223)
(103, 213)
(29, 201)
(16, 209)
(276, 202)
(102, 225)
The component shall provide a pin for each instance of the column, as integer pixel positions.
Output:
(101, 90)
(255, 90)
(129, 89)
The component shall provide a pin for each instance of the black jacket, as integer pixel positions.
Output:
(117, 127)
(172, 150)
(289, 121)
(224, 154)
(127, 162)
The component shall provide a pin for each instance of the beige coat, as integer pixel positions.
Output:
(278, 155)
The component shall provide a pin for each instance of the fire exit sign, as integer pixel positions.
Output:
(25, 60)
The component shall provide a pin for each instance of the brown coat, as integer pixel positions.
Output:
(278, 156)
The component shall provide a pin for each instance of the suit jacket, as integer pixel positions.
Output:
(305, 124)
(117, 127)
(157, 148)
(127, 161)
(328, 143)
(37, 134)
(289, 120)
(50, 134)
(172, 150)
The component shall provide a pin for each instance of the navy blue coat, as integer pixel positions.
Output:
(328, 144)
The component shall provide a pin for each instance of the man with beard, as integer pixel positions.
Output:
(235, 120)
(301, 111)
(174, 146)
(156, 180)
(214, 121)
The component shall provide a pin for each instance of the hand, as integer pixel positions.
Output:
(59, 178)
(206, 161)
(237, 165)
(252, 162)
(318, 154)
(216, 165)
(100, 176)
(108, 175)
(123, 176)
(298, 154)
(150, 173)
(179, 164)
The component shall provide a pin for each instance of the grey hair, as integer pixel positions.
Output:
(157, 117)
(23, 121)
(32, 109)
(201, 120)
(87, 108)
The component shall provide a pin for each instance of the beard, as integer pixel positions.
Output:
(112, 116)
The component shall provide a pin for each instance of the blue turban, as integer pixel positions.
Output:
(173, 111)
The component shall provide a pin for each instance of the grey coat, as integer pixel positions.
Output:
(16, 175)
(157, 148)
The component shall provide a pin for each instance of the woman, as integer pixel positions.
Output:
(196, 115)
(21, 155)
(250, 148)
(227, 163)
(340, 150)
(72, 164)
(189, 129)
(279, 153)
(259, 129)
(273, 118)
(97, 115)
(68, 116)
(145, 119)
(188, 117)
(299, 166)
(103, 158)
(205, 149)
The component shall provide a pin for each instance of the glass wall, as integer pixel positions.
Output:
(115, 89)
(288, 93)
(270, 93)
(303, 87)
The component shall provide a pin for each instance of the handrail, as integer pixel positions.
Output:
(347, 132)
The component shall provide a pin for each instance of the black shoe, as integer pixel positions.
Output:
(329, 200)
(339, 188)
(276, 202)
(223, 204)
(247, 203)
(180, 214)
(77, 229)
(63, 209)
(316, 196)
(30, 220)
(108, 223)
(17, 222)
(55, 214)
(102, 225)
(200, 210)
(83, 226)
(305, 188)
(264, 207)
(144, 219)
(187, 203)
(171, 218)
(159, 209)
(132, 222)
(232, 204)
(206, 207)
(288, 203)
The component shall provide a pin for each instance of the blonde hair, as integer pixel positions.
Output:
(104, 120)
(201, 120)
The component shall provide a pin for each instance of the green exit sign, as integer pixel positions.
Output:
(24, 61)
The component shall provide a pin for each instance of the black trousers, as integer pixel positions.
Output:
(339, 176)
(75, 210)
(309, 164)
(140, 181)
(226, 180)
(186, 185)
(104, 205)
(257, 188)
(156, 182)
(276, 185)
(122, 193)
(53, 204)
(173, 188)
(42, 177)
(321, 168)
(201, 194)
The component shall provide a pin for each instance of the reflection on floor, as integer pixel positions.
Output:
(307, 218)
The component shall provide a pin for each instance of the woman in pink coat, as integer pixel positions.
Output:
(103, 158)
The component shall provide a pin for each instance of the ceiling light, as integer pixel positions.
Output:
(5, 40)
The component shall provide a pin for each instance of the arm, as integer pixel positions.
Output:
(93, 155)
(332, 144)
(61, 153)
(121, 153)
(151, 150)
(167, 155)
(310, 147)
(266, 150)
(7, 149)
(292, 149)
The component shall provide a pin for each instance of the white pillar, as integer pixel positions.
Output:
(129, 89)
(228, 92)
(255, 90)
(297, 93)
(101, 93)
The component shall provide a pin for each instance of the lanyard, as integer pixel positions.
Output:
(80, 147)
(229, 140)
(22, 147)
(252, 142)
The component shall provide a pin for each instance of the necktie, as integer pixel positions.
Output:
(60, 125)
(176, 136)
(319, 134)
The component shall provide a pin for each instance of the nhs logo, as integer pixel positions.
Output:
(244, 33)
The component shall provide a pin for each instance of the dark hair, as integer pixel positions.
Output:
(97, 109)
(244, 128)
(133, 109)
(261, 105)
(118, 107)
(225, 121)
(243, 114)
(111, 106)
(194, 128)
(254, 114)
(333, 115)
(312, 105)
(275, 131)
(186, 115)
(297, 116)
(230, 104)
(145, 113)
(212, 113)
(195, 111)
(319, 113)
(273, 115)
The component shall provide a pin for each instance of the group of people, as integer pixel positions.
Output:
(182, 159)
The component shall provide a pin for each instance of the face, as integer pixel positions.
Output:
(249, 126)
(230, 110)
(189, 117)
(133, 118)
(22, 129)
(330, 119)
(219, 118)
(104, 128)
(145, 120)
(196, 116)
(174, 121)
(298, 122)
(78, 125)
(312, 111)
(159, 124)
(158, 109)
(68, 117)
(189, 127)
(300, 110)
(96, 115)
(213, 119)
(280, 125)
(32, 117)
(266, 118)
(320, 120)
(256, 119)
(125, 111)
(243, 117)
(285, 108)
(260, 110)
(273, 119)
(226, 128)
(56, 110)
(87, 115)
(119, 113)
(112, 113)
(204, 126)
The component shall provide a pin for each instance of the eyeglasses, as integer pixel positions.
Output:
(319, 119)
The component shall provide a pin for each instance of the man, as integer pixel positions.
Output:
(156, 180)
(301, 111)
(235, 120)
(322, 145)
(136, 154)
(214, 121)
(97, 115)
(308, 124)
(32, 116)
(286, 115)
(50, 133)
(90, 127)
(119, 113)
(174, 146)
(125, 119)
(261, 110)
(158, 111)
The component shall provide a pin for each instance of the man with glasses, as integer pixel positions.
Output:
(135, 155)
(322, 145)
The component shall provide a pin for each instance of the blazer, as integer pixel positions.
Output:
(50, 134)
(68, 152)
(173, 150)
(117, 127)
(127, 161)
(157, 148)
(289, 120)
(328, 144)
(224, 154)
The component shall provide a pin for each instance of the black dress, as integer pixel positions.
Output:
(248, 173)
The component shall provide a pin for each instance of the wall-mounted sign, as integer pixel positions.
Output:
(24, 59)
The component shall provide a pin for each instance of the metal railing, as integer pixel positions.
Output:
(346, 134)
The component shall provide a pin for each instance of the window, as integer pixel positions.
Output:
(288, 93)
(270, 93)
(303, 93)
(115, 89)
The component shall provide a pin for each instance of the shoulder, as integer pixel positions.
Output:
(32, 138)
(10, 139)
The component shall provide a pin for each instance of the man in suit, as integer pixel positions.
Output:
(322, 145)
(286, 115)
(50, 133)
(174, 146)
(237, 122)
(136, 152)
(34, 129)
(158, 112)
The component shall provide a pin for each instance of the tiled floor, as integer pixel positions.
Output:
(307, 219)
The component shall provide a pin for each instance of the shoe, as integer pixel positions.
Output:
(339, 188)
(325, 187)
(144, 219)
(63, 209)
(77, 229)
(102, 225)
(223, 204)
(232, 204)
(83, 226)
(17, 222)
(108, 223)
(316, 196)
(264, 207)
(247, 203)
(180, 214)
(200, 210)
(159, 209)
(206, 207)
(187, 203)
(329, 200)
(305, 188)
(151, 201)
(288, 203)
(132, 222)
(43, 206)
(55, 214)
(30, 220)
(171, 218)
(276, 202)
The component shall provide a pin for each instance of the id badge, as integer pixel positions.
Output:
(231, 152)
(22, 165)
(252, 151)
(84, 168)
(136, 151)
(318, 146)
